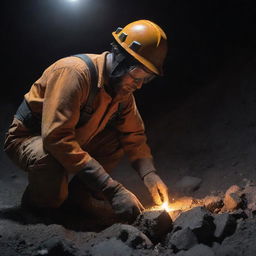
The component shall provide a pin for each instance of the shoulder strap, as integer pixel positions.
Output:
(94, 81)
(87, 110)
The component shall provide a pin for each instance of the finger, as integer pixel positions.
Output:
(156, 196)
(164, 193)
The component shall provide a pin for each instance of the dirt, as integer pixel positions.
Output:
(210, 136)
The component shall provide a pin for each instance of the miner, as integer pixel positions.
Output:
(80, 118)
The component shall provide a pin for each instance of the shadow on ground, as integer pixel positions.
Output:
(75, 219)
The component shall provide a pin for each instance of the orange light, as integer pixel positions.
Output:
(165, 206)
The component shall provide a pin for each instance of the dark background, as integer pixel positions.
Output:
(204, 37)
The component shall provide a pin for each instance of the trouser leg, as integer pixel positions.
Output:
(47, 179)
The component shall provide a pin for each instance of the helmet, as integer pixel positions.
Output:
(145, 41)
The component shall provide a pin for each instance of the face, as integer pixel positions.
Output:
(134, 79)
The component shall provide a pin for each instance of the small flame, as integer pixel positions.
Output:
(165, 206)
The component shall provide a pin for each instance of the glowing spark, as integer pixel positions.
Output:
(165, 206)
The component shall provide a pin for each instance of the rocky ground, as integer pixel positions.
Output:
(214, 225)
(205, 152)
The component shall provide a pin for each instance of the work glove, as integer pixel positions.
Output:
(147, 171)
(124, 203)
(156, 187)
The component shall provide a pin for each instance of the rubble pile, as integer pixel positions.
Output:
(214, 225)
(219, 225)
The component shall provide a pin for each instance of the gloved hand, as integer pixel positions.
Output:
(124, 203)
(156, 187)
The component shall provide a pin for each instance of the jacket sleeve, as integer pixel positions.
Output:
(66, 88)
(133, 138)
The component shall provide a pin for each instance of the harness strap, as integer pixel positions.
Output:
(87, 110)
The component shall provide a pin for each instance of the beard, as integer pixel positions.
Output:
(116, 87)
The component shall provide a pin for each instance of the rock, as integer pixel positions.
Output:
(249, 193)
(111, 247)
(182, 239)
(232, 199)
(155, 224)
(233, 189)
(41, 252)
(250, 213)
(242, 242)
(157, 251)
(197, 250)
(239, 214)
(213, 202)
(200, 221)
(225, 226)
(127, 234)
(54, 246)
(175, 214)
(226, 251)
(160, 249)
(215, 246)
(188, 184)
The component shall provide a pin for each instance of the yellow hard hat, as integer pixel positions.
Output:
(146, 42)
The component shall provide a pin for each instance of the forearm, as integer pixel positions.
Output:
(94, 177)
(144, 166)
(124, 203)
(65, 93)
(67, 152)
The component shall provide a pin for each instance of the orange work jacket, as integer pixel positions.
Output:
(58, 96)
